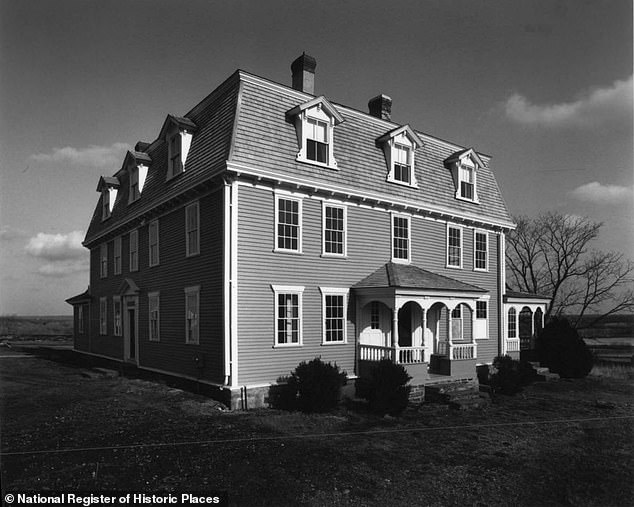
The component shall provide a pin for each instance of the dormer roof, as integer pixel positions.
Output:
(107, 182)
(462, 154)
(180, 121)
(317, 101)
(405, 129)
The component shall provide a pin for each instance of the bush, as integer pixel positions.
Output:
(385, 388)
(563, 351)
(316, 386)
(510, 376)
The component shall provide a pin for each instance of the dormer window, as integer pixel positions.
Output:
(314, 124)
(177, 133)
(108, 186)
(136, 164)
(399, 146)
(464, 170)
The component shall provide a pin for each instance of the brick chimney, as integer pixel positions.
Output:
(381, 107)
(303, 70)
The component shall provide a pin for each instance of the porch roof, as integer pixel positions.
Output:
(80, 298)
(408, 276)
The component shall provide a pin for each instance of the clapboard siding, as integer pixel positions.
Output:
(369, 246)
(170, 277)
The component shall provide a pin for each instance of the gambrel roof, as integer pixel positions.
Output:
(242, 127)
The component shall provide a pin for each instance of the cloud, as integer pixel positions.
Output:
(92, 156)
(63, 268)
(57, 247)
(592, 108)
(597, 193)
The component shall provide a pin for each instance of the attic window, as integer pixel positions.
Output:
(108, 186)
(105, 202)
(314, 125)
(177, 133)
(175, 164)
(464, 167)
(399, 146)
(466, 177)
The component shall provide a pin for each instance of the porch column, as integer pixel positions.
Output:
(473, 324)
(394, 327)
(423, 323)
(449, 325)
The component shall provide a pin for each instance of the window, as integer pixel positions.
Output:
(467, 182)
(481, 322)
(512, 323)
(153, 242)
(288, 315)
(103, 260)
(192, 230)
(105, 203)
(456, 323)
(375, 315)
(400, 238)
(314, 123)
(334, 230)
(116, 315)
(191, 315)
(288, 224)
(480, 251)
(134, 184)
(134, 250)
(80, 319)
(454, 247)
(334, 315)
(402, 164)
(464, 167)
(153, 312)
(103, 309)
(116, 258)
(175, 165)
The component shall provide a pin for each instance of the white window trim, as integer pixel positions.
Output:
(334, 291)
(117, 254)
(149, 239)
(157, 296)
(289, 197)
(103, 316)
(486, 235)
(103, 260)
(133, 267)
(486, 319)
(193, 290)
(390, 154)
(288, 289)
(117, 300)
(461, 229)
(515, 323)
(301, 124)
(326, 204)
(394, 215)
(189, 253)
(458, 195)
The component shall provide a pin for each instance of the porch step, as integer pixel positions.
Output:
(458, 395)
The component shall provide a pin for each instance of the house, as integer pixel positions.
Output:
(269, 225)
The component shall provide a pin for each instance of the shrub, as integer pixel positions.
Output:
(316, 386)
(510, 375)
(385, 388)
(563, 351)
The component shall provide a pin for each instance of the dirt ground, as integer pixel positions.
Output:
(557, 443)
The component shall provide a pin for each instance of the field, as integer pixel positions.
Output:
(556, 443)
(21, 327)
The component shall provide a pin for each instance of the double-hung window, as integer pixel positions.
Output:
(454, 247)
(512, 323)
(402, 163)
(192, 230)
(116, 315)
(192, 296)
(103, 260)
(116, 258)
(288, 315)
(105, 204)
(153, 242)
(154, 318)
(467, 182)
(334, 230)
(317, 140)
(480, 251)
(288, 224)
(174, 152)
(103, 316)
(401, 243)
(334, 310)
(134, 250)
(135, 191)
(481, 320)
(375, 315)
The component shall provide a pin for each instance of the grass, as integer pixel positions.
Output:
(510, 453)
(611, 370)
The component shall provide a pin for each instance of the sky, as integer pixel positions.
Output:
(545, 87)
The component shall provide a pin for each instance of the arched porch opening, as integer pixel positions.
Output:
(525, 325)
(538, 321)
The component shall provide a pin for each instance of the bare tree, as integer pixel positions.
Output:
(551, 255)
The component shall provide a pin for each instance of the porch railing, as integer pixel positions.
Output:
(399, 355)
(458, 350)
(512, 344)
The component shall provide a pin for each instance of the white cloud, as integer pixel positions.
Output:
(597, 193)
(60, 269)
(595, 107)
(92, 156)
(57, 247)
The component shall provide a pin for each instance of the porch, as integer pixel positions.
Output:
(426, 322)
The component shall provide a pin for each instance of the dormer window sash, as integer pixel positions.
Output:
(175, 162)
(464, 168)
(105, 201)
(317, 140)
(399, 146)
(467, 180)
(402, 163)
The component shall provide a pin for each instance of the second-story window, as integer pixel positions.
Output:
(116, 258)
(480, 251)
(288, 224)
(192, 230)
(134, 250)
(400, 238)
(334, 230)
(153, 242)
(103, 260)
(454, 247)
